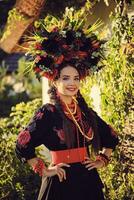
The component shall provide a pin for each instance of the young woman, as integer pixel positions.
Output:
(68, 128)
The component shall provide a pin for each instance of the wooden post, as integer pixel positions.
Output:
(45, 87)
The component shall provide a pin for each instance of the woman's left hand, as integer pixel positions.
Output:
(91, 164)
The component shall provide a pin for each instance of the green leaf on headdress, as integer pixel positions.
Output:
(92, 28)
(74, 20)
(29, 67)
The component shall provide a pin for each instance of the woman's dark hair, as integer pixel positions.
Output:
(67, 123)
(91, 118)
(81, 70)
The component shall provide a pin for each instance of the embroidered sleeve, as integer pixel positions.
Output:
(108, 136)
(33, 135)
(23, 138)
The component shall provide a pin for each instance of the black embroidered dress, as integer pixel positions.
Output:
(46, 128)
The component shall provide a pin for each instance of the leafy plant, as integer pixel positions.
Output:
(17, 87)
(115, 83)
(16, 180)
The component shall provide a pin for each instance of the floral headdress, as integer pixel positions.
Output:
(64, 42)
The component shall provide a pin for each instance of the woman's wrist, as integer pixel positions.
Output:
(38, 166)
(103, 158)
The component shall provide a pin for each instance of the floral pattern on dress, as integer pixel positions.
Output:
(32, 126)
(90, 133)
(23, 138)
(113, 132)
(60, 134)
(51, 108)
(39, 115)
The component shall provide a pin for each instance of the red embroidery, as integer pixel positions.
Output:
(39, 167)
(51, 108)
(39, 115)
(90, 132)
(24, 137)
(60, 134)
(113, 132)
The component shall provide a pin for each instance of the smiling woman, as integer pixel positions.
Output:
(66, 125)
(68, 83)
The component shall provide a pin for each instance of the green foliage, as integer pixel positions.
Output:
(13, 16)
(115, 83)
(16, 180)
(71, 19)
(30, 83)
(17, 87)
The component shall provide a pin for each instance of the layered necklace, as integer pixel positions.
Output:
(73, 112)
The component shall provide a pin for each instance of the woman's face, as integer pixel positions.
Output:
(68, 83)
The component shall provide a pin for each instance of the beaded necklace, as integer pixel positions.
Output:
(76, 118)
(73, 112)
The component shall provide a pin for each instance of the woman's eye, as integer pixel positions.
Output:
(65, 78)
(76, 79)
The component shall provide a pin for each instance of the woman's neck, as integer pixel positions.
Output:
(66, 99)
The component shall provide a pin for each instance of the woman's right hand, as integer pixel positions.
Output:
(57, 170)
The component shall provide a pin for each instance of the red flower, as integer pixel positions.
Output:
(65, 46)
(46, 74)
(49, 75)
(95, 45)
(59, 60)
(24, 137)
(38, 46)
(36, 69)
(68, 56)
(81, 54)
(78, 42)
(37, 59)
(55, 29)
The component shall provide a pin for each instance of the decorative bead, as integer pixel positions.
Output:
(39, 167)
(104, 158)
(23, 160)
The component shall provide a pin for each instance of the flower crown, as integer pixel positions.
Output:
(57, 47)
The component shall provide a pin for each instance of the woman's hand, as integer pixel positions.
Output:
(57, 170)
(91, 164)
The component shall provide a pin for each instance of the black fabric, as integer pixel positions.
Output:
(80, 184)
(108, 139)
(46, 128)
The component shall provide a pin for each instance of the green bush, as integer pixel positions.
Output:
(17, 181)
(17, 87)
(115, 83)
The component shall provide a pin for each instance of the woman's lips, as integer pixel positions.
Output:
(71, 89)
